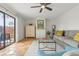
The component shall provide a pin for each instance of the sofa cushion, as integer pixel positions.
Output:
(77, 37)
(70, 33)
(59, 33)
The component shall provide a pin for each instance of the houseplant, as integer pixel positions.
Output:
(48, 34)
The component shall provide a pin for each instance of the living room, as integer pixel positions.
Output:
(59, 22)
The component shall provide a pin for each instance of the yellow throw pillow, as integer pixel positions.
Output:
(59, 33)
(76, 36)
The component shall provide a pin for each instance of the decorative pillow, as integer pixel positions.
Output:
(59, 33)
(76, 36)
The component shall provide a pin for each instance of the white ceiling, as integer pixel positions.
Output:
(32, 13)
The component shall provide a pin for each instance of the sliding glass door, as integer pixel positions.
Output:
(7, 30)
(2, 43)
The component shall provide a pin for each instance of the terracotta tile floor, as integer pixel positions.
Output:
(17, 49)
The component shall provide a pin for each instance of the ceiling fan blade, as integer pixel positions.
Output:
(42, 3)
(41, 10)
(47, 3)
(35, 6)
(49, 8)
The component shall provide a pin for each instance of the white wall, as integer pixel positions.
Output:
(49, 23)
(19, 22)
(69, 20)
(20, 28)
(30, 21)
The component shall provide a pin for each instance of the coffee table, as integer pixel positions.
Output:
(47, 45)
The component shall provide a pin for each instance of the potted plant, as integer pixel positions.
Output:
(48, 34)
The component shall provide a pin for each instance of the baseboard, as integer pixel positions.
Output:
(30, 38)
(21, 40)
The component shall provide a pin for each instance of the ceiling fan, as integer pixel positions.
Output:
(43, 6)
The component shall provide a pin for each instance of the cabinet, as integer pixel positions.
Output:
(30, 31)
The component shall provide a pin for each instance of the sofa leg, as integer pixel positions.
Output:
(78, 45)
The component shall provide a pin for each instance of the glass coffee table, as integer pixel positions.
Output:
(47, 44)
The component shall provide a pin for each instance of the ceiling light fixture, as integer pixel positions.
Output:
(43, 7)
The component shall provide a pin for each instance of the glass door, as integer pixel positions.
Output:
(9, 30)
(2, 43)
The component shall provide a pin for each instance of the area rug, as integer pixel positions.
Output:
(33, 49)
